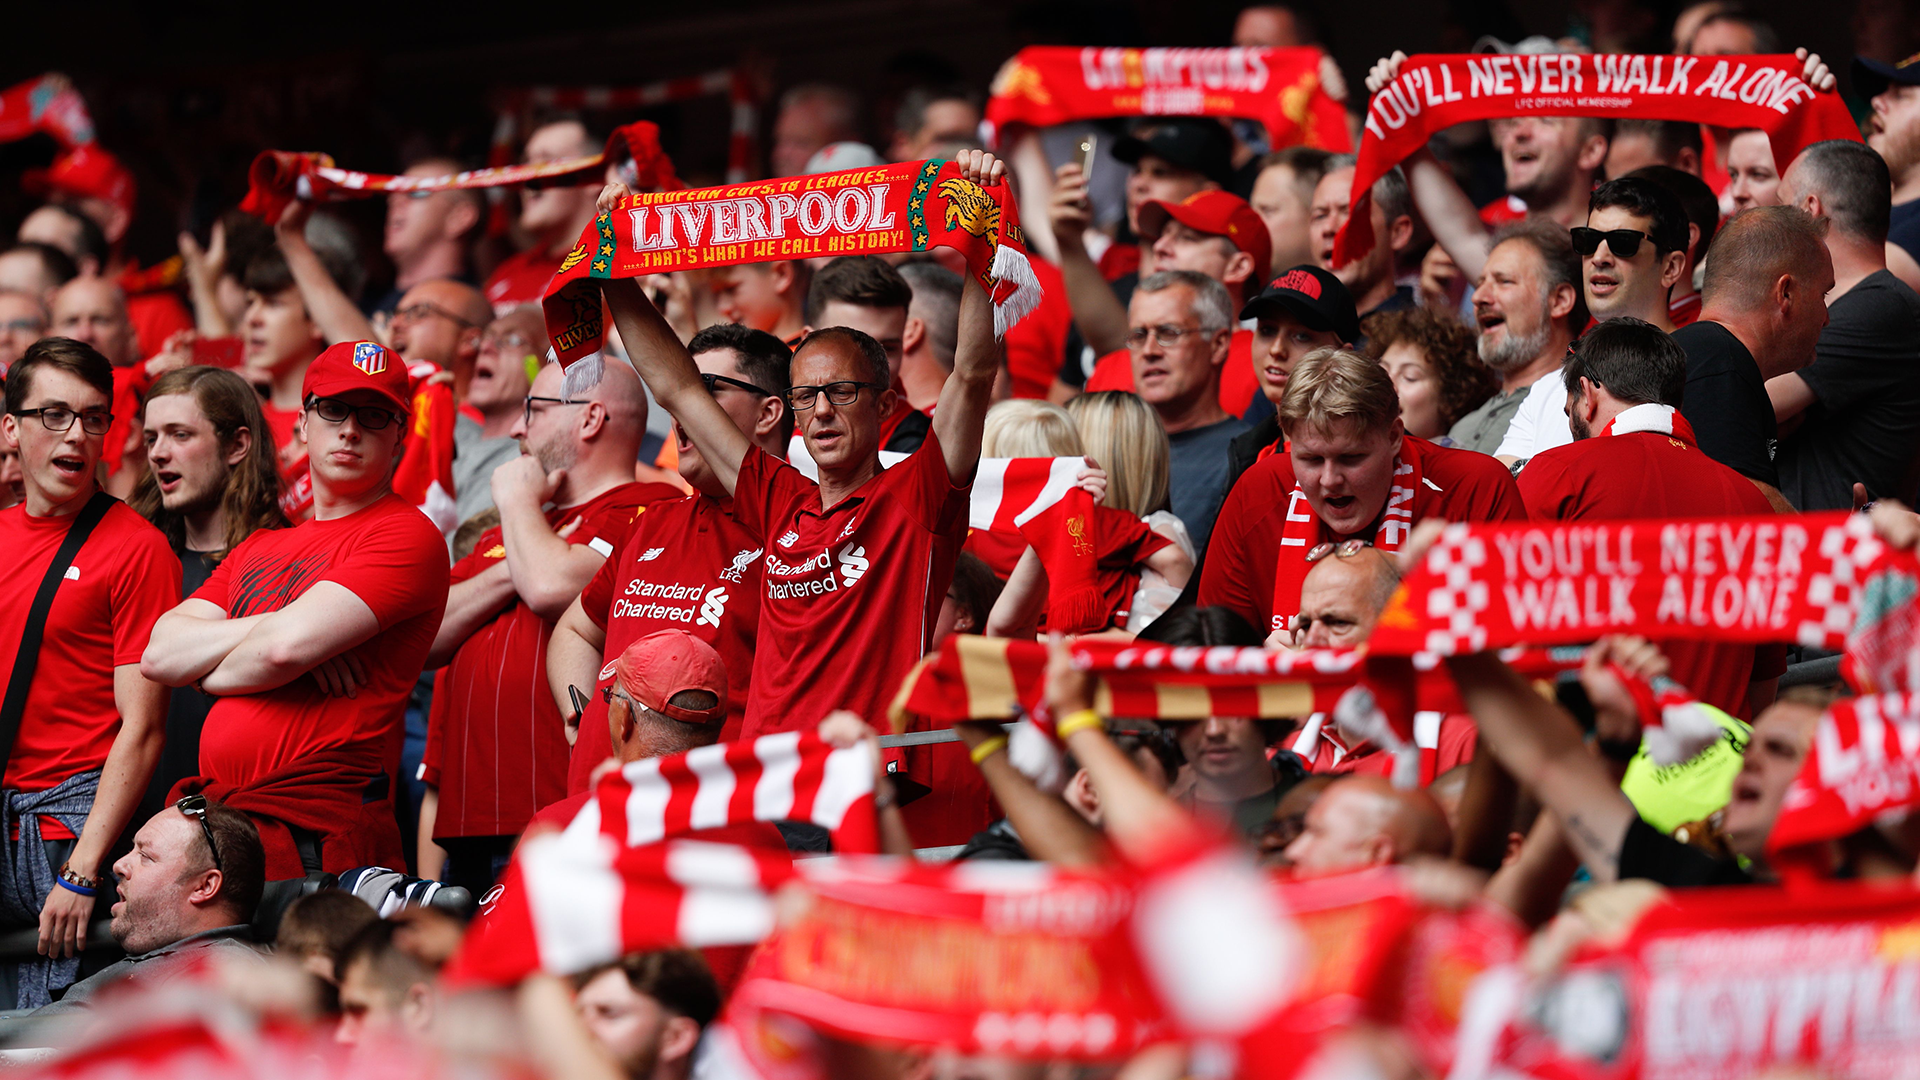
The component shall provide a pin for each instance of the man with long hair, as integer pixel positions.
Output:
(212, 481)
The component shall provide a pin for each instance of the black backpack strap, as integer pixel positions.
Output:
(14, 707)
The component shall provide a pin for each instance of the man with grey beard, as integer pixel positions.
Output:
(1529, 307)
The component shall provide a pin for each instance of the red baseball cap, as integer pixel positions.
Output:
(86, 172)
(1218, 213)
(359, 365)
(668, 662)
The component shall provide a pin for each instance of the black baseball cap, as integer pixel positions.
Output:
(1312, 295)
(1203, 147)
(1871, 77)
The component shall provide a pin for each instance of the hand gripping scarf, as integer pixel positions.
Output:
(1044, 85)
(1435, 92)
(912, 206)
(279, 177)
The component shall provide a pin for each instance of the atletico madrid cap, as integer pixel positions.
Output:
(1312, 295)
(668, 662)
(1216, 213)
(359, 365)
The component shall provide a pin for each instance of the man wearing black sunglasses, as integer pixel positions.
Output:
(1633, 249)
(311, 638)
(857, 564)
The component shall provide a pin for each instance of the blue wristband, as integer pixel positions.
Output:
(71, 887)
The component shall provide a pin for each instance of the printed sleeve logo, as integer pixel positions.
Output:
(369, 357)
(853, 564)
(652, 553)
(741, 560)
(714, 606)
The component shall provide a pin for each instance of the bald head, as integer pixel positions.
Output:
(94, 310)
(1342, 597)
(1756, 248)
(1364, 821)
(600, 440)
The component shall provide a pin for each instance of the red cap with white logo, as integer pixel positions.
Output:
(359, 365)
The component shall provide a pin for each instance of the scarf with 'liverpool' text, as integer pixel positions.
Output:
(1435, 92)
(912, 206)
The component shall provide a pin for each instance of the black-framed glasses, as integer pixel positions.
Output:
(510, 342)
(422, 309)
(55, 418)
(714, 382)
(195, 807)
(526, 404)
(1624, 243)
(1345, 549)
(845, 392)
(1168, 335)
(335, 411)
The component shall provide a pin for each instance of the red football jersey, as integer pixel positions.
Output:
(849, 604)
(686, 564)
(520, 279)
(496, 745)
(392, 558)
(122, 580)
(1647, 474)
(1456, 485)
(1037, 344)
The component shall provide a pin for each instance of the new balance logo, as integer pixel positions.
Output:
(712, 608)
(853, 564)
(789, 538)
(741, 560)
(848, 531)
(652, 553)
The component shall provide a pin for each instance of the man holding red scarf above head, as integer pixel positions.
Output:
(1347, 470)
(1634, 455)
(856, 565)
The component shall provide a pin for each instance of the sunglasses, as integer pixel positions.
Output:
(1624, 243)
(714, 382)
(195, 807)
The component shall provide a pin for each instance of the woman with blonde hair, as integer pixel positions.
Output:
(1145, 556)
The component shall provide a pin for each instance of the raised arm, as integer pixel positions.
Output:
(1100, 316)
(333, 311)
(1049, 828)
(669, 372)
(962, 409)
(1446, 209)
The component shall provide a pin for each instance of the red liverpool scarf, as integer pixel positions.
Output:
(48, 103)
(279, 177)
(1739, 579)
(912, 206)
(1437, 92)
(1303, 531)
(1044, 85)
(1864, 762)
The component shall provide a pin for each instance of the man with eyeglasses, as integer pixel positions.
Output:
(550, 217)
(440, 322)
(184, 896)
(496, 748)
(1180, 332)
(687, 564)
(511, 351)
(857, 564)
(90, 726)
(311, 637)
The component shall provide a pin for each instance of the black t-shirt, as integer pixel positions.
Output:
(1903, 228)
(1726, 401)
(186, 708)
(1646, 852)
(1864, 425)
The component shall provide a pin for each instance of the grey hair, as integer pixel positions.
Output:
(1211, 304)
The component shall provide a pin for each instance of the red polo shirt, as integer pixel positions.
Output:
(1646, 474)
(496, 745)
(849, 603)
(686, 564)
(1456, 485)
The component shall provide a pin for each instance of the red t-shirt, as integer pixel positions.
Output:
(156, 316)
(520, 279)
(686, 564)
(1457, 485)
(1037, 344)
(1238, 383)
(496, 745)
(1502, 210)
(129, 391)
(850, 600)
(1684, 310)
(392, 558)
(1646, 474)
(123, 579)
